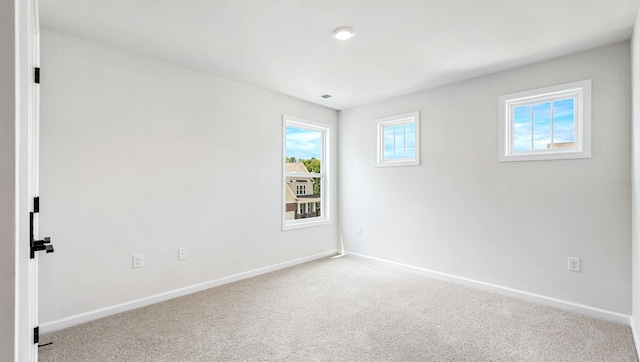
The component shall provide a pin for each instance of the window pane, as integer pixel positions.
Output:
(410, 140)
(388, 143)
(542, 126)
(399, 141)
(557, 117)
(303, 144)
(564, 123)
(522, 129)
(304, 172)
(308, 204)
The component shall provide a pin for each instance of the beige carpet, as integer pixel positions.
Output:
(342, 309)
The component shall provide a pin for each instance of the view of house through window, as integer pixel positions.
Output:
(304, 173)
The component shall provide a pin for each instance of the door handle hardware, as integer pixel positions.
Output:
(38, 245)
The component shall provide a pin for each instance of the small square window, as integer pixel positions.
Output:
(397, 140)
(546, 124)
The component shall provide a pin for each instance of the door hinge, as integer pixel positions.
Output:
(36, 204)
(36, 335)
(37, 75)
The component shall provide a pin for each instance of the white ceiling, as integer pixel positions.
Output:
(400, 46)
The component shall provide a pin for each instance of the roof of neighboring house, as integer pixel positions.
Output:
(308, 198)
(296, 167)
(290, 195)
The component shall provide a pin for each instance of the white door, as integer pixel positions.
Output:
(27, 138)
(33, 171)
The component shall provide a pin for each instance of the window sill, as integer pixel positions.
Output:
(397, 163)
(544, 155)
(304, 223)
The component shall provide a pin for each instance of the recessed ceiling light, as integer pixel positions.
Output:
(343, 33)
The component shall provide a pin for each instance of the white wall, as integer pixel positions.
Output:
(635, 167)
(140, 156)
(7, 179)
(509, 224)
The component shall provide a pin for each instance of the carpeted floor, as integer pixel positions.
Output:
(342, 309)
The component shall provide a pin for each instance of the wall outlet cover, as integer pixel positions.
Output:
(573, 264)
(138, 260)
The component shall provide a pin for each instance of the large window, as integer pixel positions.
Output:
(306, 189)
(397, 140)
(547, 123)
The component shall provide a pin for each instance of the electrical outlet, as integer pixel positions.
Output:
(138, 260)
(182, 253)
(573, 264)
(359, 231)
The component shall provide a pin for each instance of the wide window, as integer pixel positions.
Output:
(547, 123)
(397, 140)
(305, 153)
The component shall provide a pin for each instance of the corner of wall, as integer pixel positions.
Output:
(7, 180)
(634, 332)
(635, 183)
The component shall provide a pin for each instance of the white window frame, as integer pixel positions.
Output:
(580, 91)
(380, 124)
(325, 189)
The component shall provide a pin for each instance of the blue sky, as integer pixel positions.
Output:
(563, 125)
(399, 142)
(303, 143)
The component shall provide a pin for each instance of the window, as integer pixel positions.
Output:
(546, 124)
(306, 184)
(397, 140)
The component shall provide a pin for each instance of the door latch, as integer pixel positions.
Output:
(38, 245)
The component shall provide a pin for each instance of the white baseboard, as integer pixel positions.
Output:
(519, 294)
(123, 307)
(636, 337)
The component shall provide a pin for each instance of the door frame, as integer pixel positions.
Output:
(26, 300)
